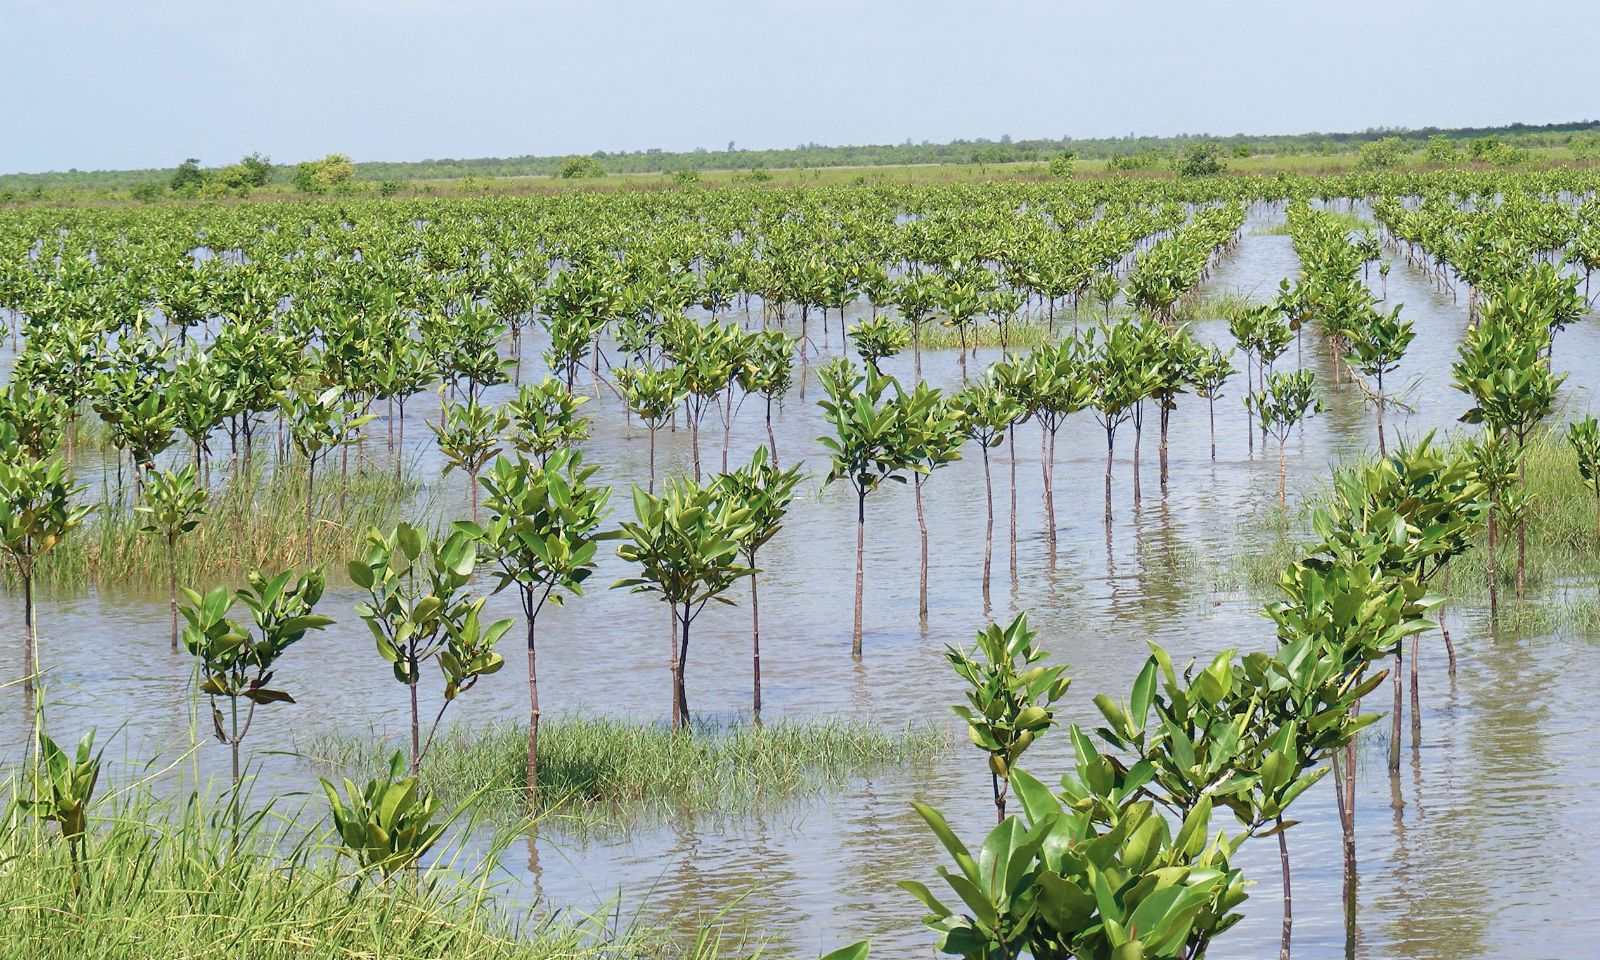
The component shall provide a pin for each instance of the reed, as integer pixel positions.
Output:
(599, 770)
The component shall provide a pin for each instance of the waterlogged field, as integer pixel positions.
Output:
(793, 835)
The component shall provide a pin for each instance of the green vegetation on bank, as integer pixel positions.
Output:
(1309, 152)
(1562, 548)
(251, 523)
(166, 880)
(596, 770)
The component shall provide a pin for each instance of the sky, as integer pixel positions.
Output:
(97, 84)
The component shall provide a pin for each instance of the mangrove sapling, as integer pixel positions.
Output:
(1208, 377)
(687, 543)
(544, 418)
(651, 395)
(765, 491)
(318, 425)
(1011, 697)
(869, 446)
(987, 412)
(1059, 386)
(1374, 346)
(63, 788)
(468, 439)
(387, 826)
(878, 337)
(1584, 437)
(36, 418)
(1289, 398)
(542, 533)
(1502, 368)
(1014, 382)
(1263, 337)
(1496, 460)
(916, 296)
(417, 612)
(36, 511)
(1176, 365)
(769, 372)
(174, 504)
(933, 433)
(1118, 384)
(708, 357)
(236, 662)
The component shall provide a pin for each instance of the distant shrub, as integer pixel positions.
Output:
(1200, 160)
(389, 188)
(1381, 154)
(1134, 161)
(1441, 150)
(1062, 164)
(575, 168)
(322, 176)
(148, 192)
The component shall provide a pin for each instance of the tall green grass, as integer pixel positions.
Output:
(602, 770)
(166, 881)
(252, 522)
(1562, 547)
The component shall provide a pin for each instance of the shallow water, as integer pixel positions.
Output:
(1480, 860)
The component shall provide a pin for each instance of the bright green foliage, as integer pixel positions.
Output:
(544, 525)
(869, 445)
(1010, 703)
(237, 663)
(36, 417)
(1501, 368)
(1584, 438)
(470, 436)
(687, 545)
(1286, 401)
(388, 826)
(63, 788)
(879, 337)
(174, 503)
(417, 611)
(542, 535)
(545, 419)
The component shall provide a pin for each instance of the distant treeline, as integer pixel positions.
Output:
(979, 151)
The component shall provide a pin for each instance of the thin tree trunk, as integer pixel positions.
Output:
(922, 565)
(755, 641)
(683, 668)
(30, 643)
(1288, 894)
(988, 528)
(1165, 413)
(533, 709)
(1494, 577)
(1049, 491)
(416, 726)
(172, 593)
(1011, 431)
(1399, 684)
(861, 543)
(311, 472)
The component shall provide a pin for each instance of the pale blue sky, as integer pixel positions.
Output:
(97, 84)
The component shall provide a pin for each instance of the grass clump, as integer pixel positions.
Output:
(1562, 548)
(599, 770)
(168, 881)
(252, 522)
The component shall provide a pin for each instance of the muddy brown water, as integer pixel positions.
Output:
(1485, 857)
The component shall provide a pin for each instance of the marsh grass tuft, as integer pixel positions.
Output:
(596, 771)
(166, 880)
(251, 522)
(1563, 558)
